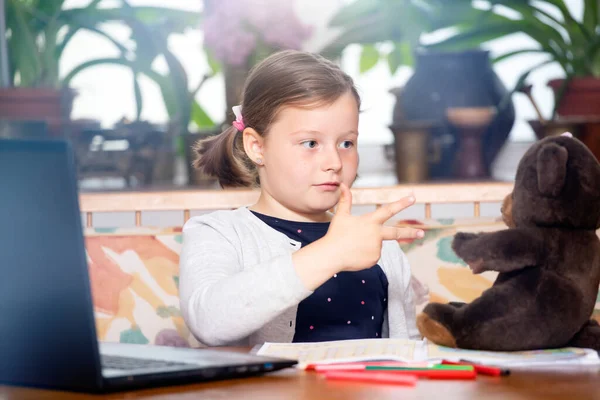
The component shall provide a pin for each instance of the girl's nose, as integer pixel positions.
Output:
(332, 160)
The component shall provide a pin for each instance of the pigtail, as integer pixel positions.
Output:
(223, 157)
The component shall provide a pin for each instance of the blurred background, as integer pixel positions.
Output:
(452, 90)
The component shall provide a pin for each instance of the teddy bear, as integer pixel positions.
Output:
(548, 260)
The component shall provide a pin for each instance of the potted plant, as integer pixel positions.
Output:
(398, 23)
(37, 33)
(572, 44)
(393, 31)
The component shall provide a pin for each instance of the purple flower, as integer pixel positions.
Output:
(278, 24)
(224, 33)
(233, 27)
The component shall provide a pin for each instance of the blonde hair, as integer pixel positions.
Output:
(286, 78)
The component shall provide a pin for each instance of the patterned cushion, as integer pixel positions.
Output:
(134, 277)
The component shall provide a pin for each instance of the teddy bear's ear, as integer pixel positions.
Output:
(551, 169)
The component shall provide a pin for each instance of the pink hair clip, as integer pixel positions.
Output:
(239, 120)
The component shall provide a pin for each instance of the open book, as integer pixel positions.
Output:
(418, 351)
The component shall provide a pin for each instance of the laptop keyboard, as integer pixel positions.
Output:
(130, 363)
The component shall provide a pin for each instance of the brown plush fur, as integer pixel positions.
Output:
(548, 260)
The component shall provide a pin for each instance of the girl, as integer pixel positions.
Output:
(285, 269)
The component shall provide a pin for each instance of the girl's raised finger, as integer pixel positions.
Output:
(387, 211)
(393, 233)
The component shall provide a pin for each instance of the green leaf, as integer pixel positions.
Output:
(92, 63)
(151, 42)
(178, 21)
(540, 30)
(401, 54)
(50, 63)
(528, 10)
(496, 27)
(592, 58)
(148, 48)
(354, 11)
(112, 61)
(595, 63)
(514, 53)
(139, 103)
(167, 90)
(23, 45)
(369, 57)
(42, 20)
(179, 81)
(199, 117)
(48, 7)
(473, 37)
(213, 63)
(195, 91)
(535, 22)
(414, 21)
(75, 25)
(395, 58)
(559, 95)
(371, 30)
(523, 77)
(576, 30)
(591, 16)
(407, 54)
(60, 48)
(520, 82)
(449, 14)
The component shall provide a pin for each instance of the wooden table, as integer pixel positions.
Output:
(295, 384)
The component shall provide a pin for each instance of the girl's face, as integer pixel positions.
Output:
(308, 152)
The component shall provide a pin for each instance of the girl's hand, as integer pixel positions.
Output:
(355, 242)
(352, 242)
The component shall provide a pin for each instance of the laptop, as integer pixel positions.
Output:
(47, 327)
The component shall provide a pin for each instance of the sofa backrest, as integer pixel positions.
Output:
(135, 275)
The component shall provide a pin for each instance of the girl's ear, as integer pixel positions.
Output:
(253, 145)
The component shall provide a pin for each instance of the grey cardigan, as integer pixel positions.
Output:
(238, 285)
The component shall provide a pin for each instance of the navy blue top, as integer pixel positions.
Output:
(350, 305)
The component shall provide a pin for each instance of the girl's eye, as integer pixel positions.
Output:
(310, 144)
(347, 144)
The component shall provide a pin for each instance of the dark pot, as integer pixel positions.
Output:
(455, 79)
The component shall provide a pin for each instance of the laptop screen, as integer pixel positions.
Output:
(46, 316)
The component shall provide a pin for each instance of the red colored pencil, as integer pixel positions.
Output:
(377, 377)
(431, 373)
